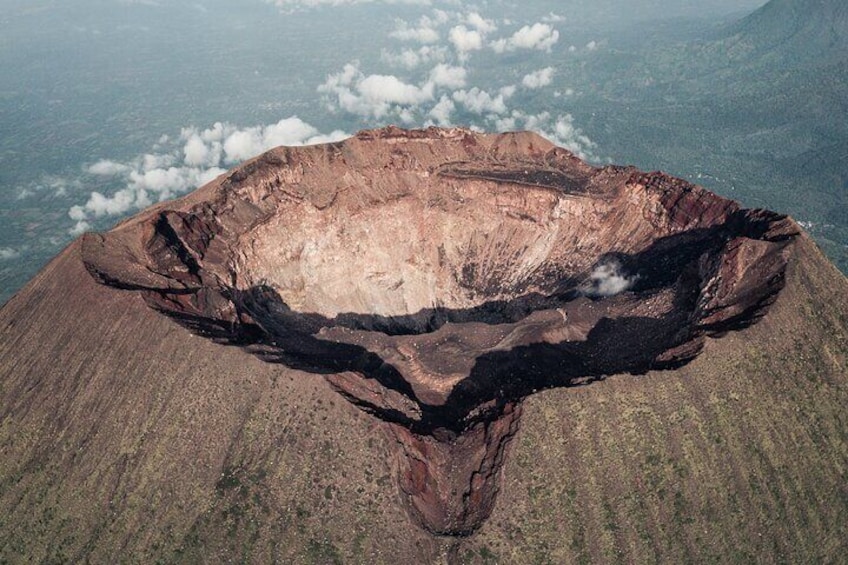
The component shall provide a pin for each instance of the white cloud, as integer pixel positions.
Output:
(412, 58)
(465, 40)
(480, 23)
(442, 111)
(107, 168)
(559, 130)
(563, 132)
(538, 79)
(422, 34)
(408, 58)
(151, 161)
(592, 46)
(466, 37)
(384, 97)
(154, 177)
(444, 40)
(77, 213)
(203, 148)
(289, 5)
(349, 73)
(538, 36)
(507, 91)
(80, 228)
(248, 142)
(55, 185)
(479, 101)
(439, 17)
(392, 90)
(7, 253)
(507, 123)
(379, 96)
(196, 152)
(448, 76)
(470, 35)
(120, 202)
(24, 192)
(407, 116)
(553, 18)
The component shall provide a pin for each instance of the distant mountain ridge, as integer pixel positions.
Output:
(802, 30)
(756, 109)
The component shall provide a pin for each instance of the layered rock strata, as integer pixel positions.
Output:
(437, 277)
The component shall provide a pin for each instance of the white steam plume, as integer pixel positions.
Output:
(607, 279)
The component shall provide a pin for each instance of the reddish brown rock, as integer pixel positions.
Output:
(438, 277)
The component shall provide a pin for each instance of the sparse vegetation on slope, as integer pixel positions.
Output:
(124, 437)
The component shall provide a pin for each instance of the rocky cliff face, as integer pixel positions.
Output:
(437, 278)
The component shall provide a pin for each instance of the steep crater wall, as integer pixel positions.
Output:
(438, 277)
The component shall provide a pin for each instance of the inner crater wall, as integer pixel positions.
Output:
(436, 278)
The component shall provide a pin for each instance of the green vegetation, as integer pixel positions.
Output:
(737, 458)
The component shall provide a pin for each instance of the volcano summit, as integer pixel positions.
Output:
(438, 277)
(435, 279)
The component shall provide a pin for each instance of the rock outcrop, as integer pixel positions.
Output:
(436, 278)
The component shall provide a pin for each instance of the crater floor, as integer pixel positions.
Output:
(438, 277)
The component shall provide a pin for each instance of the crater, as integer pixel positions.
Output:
(436, 278)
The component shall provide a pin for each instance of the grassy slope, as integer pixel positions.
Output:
(742, 456)
(181, 450)
(157, 445)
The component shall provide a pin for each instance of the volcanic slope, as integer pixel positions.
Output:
(808, 31)
(197, 398)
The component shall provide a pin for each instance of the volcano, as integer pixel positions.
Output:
(810, 32)
(397, 301)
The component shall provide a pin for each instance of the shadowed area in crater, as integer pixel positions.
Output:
(550, 349)
(436, 278)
